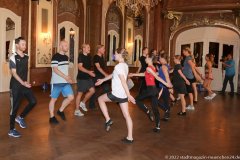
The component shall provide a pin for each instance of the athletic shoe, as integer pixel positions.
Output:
(178, 98)
(182, 113)
(213, 95)
(195, 102)
(156, 129)
(166, 115)
(21, 122)
(108, 125)
(53, 120)
(62, 115)
(125, 140)
(78, 113)
(83, 106)
(150, 115)
(208, 98)
(14, 133)
(190, 107)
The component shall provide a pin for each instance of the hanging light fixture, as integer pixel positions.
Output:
(136, 6)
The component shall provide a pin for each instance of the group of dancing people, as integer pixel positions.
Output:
(155, 84)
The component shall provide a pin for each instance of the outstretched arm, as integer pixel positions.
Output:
(100, 81)
(158, 78)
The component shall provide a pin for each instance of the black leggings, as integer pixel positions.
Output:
(230, 79)
(165, 99)
(16, 96)
(149, 92)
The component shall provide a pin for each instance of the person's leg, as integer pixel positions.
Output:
(231, 84)
(102, 103)
(125, 111)
(92, 99)
(190, 98)
(144, 94)
(16, 97)
(68, 93)
(31, 102)
(90, 92)
(225, 84)
(154, 102)
(195, 91)
(78, 99)
(51, 106)
(183, 102)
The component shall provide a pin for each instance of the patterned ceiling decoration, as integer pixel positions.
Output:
(71, 6)
(10, 25)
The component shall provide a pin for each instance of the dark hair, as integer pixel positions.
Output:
(17, 40)
(144, 48)
(178, 57)
(165, 56)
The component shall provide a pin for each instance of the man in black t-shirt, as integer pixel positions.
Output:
(99, 69)
(142, 68)
(84, 80)
(19, 87)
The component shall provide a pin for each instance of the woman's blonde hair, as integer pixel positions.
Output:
(123, 52)
(187, 49)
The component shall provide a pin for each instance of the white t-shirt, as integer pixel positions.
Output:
(117, 88)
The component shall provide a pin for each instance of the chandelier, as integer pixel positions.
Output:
(136, 6)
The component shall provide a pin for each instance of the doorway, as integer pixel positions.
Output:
(70, 32)
(11, 29)
(215, 40)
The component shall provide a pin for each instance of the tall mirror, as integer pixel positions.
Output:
(10, 36)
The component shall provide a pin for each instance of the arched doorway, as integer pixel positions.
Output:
(215, 40)
(11, 29)
(70, 32)
(113, 31)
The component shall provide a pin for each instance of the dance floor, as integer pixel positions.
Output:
(213, 129)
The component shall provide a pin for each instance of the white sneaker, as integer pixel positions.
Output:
(213, 95)
(178, 98)
(208, 98)
(190, 107)
(78, 113)
(83, 106)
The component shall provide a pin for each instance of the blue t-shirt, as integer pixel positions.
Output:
(187, 70)
(230, 71)
(161, 75)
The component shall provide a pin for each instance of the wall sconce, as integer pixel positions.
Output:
(46, 37)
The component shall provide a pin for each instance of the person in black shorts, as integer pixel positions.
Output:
(19, 87)
(99, 69)
(179, 83)
(84, 80)
(120, 94)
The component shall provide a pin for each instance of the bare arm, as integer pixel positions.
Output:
(81, 68)
(15, 75)
(99, 68)
(192, 65)
(165, 72)
(100, 81)
(182, 75)
(158, 78)
(136, 74)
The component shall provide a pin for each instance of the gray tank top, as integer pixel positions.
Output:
(187, 70)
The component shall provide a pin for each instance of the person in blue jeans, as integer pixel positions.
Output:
(229, 73)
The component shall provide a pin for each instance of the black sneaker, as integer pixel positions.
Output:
(166, 115)
(53, 120)
(195, 102)
(125, 140)
(182, 113)
(156, 129)
(150, 115)
(62, 115)
(108, 125)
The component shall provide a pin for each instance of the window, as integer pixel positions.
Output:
(214, 49)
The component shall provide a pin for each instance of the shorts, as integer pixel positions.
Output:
(64, 88)
(116, 99)
(83, 85)
(180, 88)
(189, 87)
